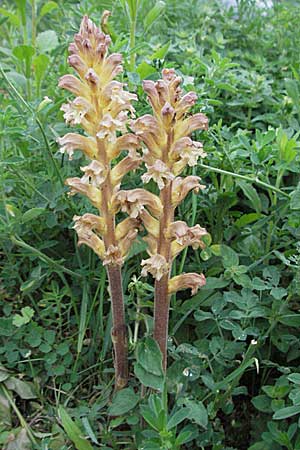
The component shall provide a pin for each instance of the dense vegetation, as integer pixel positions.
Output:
(233, 351)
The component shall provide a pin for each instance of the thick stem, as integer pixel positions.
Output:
(161, 316)
(118, 332)
(161, 297)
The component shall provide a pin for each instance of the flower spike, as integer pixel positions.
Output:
(169, 149)
(101, 108)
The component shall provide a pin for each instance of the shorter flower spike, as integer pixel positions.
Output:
(186, 280)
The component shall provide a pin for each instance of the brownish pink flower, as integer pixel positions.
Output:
(95, 173)
(74, 141)
(182, 186)
(87, 236)
(156, 265)
(159, 172)
(186, 280)
(134, 201)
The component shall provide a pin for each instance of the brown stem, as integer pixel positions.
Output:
(161, 316)
(161, 297)
(118, 332)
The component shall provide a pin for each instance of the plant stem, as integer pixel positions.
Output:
(162, 298)
(118, 332)
(132, 43)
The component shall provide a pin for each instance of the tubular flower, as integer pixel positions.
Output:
(101, 108)
(186, 280)
(169, 148)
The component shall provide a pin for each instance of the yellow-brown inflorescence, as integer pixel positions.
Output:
(101, 109)
(168, 150)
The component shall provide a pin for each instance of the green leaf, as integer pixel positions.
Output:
(24, 389)
(262, 403)
(284, 413)
(147, 378)
(292, 320)
(149, 356)
(161, 52)
(177, 418)
(32, 213)
(48, 7)
(294, 378)
(144, 70)
(40, 64)
(73, 431)
(27, 314)
(23, 52)
(123, 402)
(13, 18)
(153, 14)
(246, 219)
(47, 41)
(295, 199)
(197, 413)
(251, 193)
(229, 256)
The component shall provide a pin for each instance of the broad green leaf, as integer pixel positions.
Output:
(13, 18)
(262, 403)
(147, 378)
(149, 356)
(284, 413)
(23, 318)
(32, 214)
(48, 7)
(73, 431)
(144, 70)
(197, 413)
(246, 219)
(295, 199)
(24, 389)
(294, 378)
(123, 402)
(251, 193)
(47, 41)
(161, 52)
(40, 64)
(23, 52)
(178, 417)
(292, 320)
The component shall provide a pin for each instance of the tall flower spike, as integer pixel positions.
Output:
(101, 109)
(168, 150)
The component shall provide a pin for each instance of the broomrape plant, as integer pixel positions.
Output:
(169, 149)
(101, 108)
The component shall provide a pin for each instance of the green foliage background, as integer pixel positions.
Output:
(234, 350)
